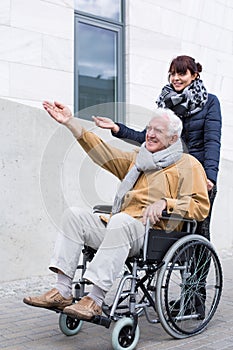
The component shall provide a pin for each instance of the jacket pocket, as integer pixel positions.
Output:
(172, 185)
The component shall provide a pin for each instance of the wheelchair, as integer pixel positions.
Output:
(176, 280)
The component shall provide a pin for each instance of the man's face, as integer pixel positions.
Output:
(157, 137)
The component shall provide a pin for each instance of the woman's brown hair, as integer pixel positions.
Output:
(181, 64)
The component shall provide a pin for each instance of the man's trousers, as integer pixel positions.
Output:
(122, 237)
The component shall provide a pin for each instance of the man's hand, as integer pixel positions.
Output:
(154, 212)
(106, 123)
(58, 111)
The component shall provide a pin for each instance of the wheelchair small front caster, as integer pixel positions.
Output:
(122, 337)
(68, 325)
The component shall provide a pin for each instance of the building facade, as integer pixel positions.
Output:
(109, 57)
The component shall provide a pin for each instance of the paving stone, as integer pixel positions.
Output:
(23, 327)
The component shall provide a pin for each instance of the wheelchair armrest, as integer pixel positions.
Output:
(190, 223)
(104, 209)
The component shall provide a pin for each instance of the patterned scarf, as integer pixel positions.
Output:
(146, 161)
(186, 103)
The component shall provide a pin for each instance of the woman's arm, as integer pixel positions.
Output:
(129, 134)
(120, 130)
(212, 139)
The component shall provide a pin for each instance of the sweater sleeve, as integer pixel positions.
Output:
(192, 200)
(109, 158)
(130, 135)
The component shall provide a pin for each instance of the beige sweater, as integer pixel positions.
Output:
(183, 185)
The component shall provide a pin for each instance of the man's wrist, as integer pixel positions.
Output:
(74, 126)
(165, 203)
(70, 121)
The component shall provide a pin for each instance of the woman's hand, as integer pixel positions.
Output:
(154, 211)
(58, 111)
(106, 123)
(210, 185)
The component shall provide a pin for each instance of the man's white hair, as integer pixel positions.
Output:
(174, 122)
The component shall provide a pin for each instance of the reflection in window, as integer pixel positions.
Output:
(97, 66)
(99, 69)
(101, 8)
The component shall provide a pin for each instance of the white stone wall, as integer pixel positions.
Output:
(43, 171)
(159, 30)
(36, 50)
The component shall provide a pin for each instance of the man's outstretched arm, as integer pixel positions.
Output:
(62, 114)
(110, 158)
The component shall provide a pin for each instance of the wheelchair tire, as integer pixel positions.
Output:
(121, 335)
(185, 305)
(68, 325)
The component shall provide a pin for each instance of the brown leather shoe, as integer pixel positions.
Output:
(50, 300)
(85, 309)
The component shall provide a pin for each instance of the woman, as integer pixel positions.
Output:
(200, 113)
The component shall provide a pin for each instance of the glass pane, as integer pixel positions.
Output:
(103, 8)
(97, 66)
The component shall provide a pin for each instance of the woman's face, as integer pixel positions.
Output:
(179, 81)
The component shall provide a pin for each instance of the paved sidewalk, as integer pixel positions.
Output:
(23, 327)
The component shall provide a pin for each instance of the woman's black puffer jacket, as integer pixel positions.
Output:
(201, 135)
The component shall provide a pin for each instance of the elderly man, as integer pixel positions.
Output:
(158, 176)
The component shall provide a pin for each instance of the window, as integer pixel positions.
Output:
(111, 9)
(98, 57)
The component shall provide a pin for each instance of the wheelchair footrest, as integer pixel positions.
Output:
(101, 321)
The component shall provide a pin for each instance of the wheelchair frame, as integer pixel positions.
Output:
(181, 284)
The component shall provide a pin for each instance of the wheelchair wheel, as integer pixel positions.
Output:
(122, 334)
(68, 325)
(189, 286)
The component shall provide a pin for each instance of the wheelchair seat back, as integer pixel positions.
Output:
(159, 242)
